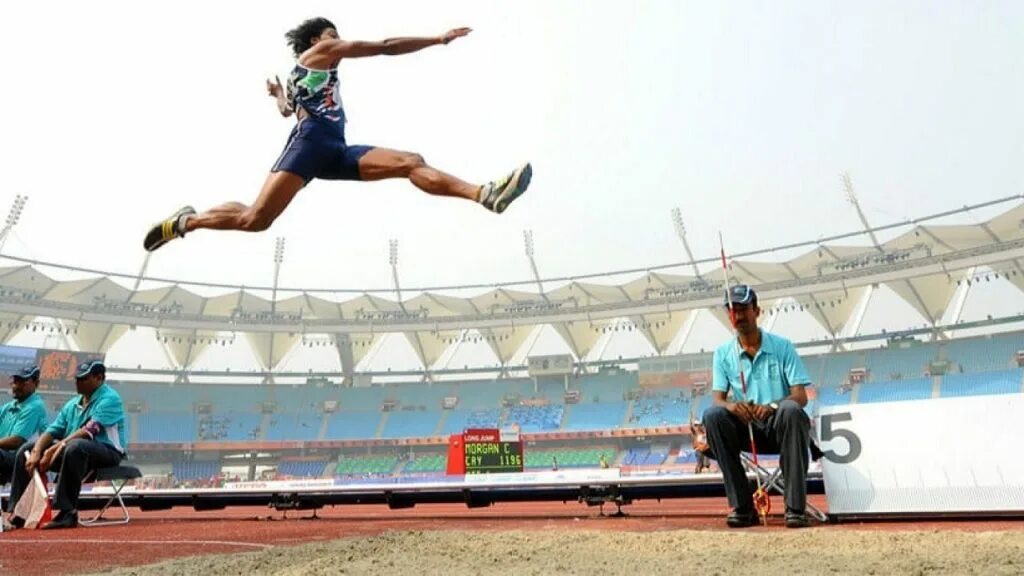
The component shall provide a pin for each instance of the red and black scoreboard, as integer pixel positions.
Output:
(485, 451)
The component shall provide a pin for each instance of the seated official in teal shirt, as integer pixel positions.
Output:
(21, 419)
(770, 398)
(88, 433)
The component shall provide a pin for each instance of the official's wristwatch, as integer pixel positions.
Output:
(774, 406)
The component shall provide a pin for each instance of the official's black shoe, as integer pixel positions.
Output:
(64, 519)
(14, 523)
(796, 519)
(741, 519)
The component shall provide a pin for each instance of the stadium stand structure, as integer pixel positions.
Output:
(301, 468)
(170, 415)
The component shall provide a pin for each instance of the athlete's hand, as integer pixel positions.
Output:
(453, 34)
(274, 88)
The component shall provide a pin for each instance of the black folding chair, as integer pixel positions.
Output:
(119, 477)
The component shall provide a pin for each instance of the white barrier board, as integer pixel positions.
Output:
(924, 456)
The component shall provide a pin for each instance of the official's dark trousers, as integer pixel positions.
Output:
(6, 465)
(77, 459)
(787, 433)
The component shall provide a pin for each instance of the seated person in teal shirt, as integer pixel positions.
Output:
(21, 419)
(774, 401)
(89, 433)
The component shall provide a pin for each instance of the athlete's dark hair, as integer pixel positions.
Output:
(301, 37)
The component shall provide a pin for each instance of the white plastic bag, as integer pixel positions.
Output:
(34, 505)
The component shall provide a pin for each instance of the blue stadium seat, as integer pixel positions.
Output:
(167, 427)
(294, 426)
(352, 425)
(535, 418)
(986, 353)
(660, 411)
(410, 424)
(596, 416)
(302, 468)
(994, 382)
(895, 390)
(195, 470)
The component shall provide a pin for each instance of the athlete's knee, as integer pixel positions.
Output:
(411, 161)
(255, 220)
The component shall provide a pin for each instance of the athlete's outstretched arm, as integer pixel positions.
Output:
(275, 90)
(338, 49)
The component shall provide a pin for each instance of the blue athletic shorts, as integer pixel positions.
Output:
(318, 150)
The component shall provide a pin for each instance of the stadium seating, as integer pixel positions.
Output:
(994, 382)
(410, 424)
(837, 368)
(815, 366)
(686, 456)
(229, 426)
(352, 425)
(594, 416)
(362, 399)
(186, 470)
(569, 458)
(703, 403)
(365, 465)
(294, 426)
(605, 387)
(460, 419)
(985, 353)
(896, 362)
(832, 396)
(895, 390)
(477, 395)
(660, 411)
(427, 463)
(168, 413)
(167, 427)
(301, 468)
(535, 418)
(646, 456)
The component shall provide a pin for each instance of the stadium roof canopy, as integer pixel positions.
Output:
(828, 279)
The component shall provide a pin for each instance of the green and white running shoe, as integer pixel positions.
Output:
(497, 195)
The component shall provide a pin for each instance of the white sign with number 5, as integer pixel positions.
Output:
(947, 455)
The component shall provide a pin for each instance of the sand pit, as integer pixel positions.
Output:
(558, 551)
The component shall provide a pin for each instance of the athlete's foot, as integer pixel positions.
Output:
(163, 232)
(497, 195)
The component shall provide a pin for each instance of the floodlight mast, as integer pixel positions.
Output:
(528, 245)
(677, 220)
(17, 207)
(278, 259)
(851, 197)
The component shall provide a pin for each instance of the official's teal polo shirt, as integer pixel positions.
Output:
(105, 407)
(769, 374)
(25, 419)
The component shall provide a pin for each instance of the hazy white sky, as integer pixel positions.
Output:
(116, 113)
(743, 114)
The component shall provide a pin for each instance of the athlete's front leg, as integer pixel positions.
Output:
(383, 163)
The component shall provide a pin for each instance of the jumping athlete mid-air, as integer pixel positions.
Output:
(316, 147)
